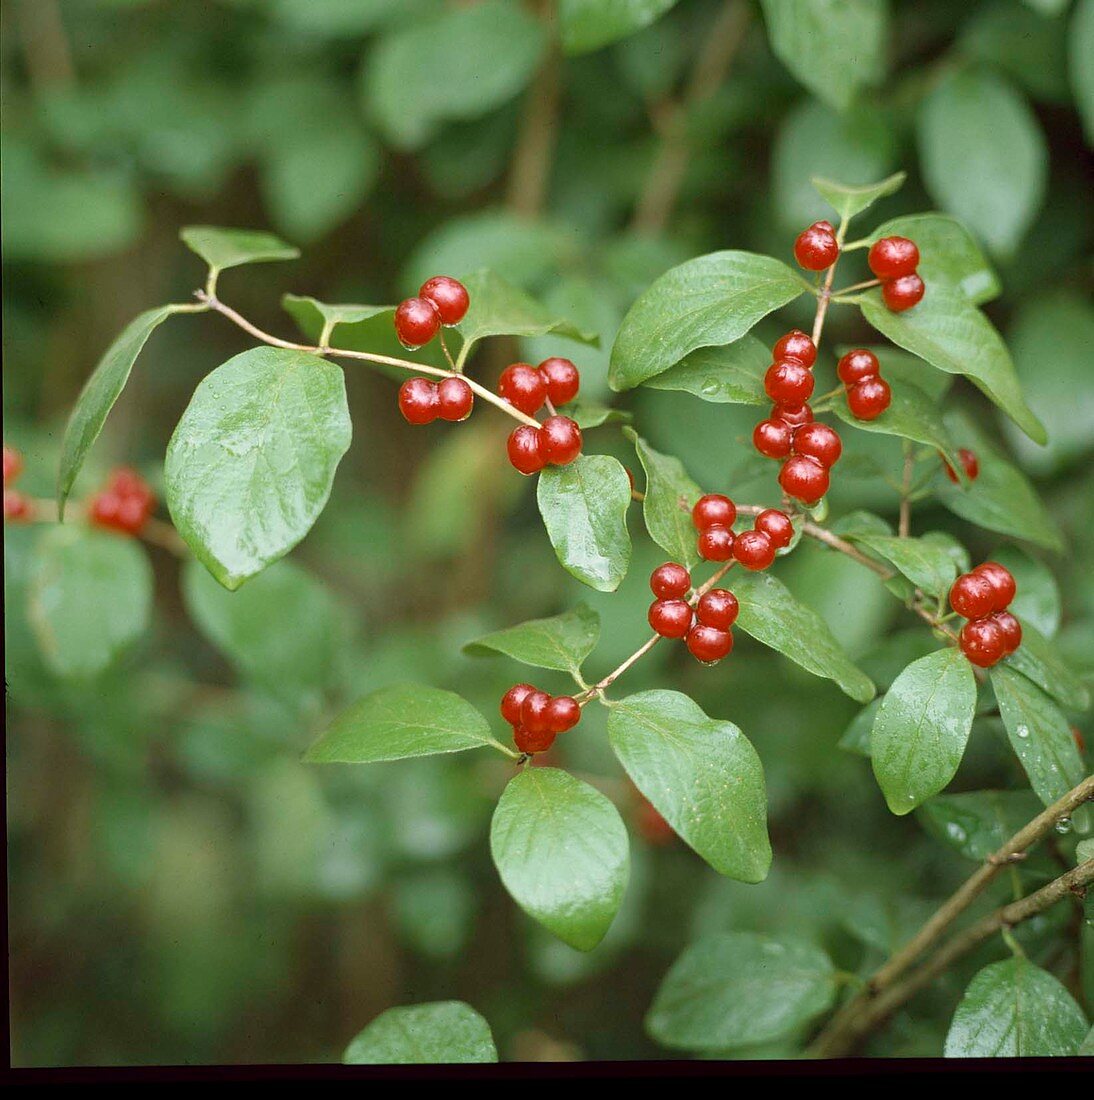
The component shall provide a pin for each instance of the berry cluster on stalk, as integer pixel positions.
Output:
(894, 261)
(125, 504)
(557, 441)
(538, 718)
(704, 623)
(868, 394)
(983, 597)
(17, 505)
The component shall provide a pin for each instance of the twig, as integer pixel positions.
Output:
(905, 491)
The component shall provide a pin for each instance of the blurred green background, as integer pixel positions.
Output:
(182, 888)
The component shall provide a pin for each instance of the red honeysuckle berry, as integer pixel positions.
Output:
(533, 741)
(983, 642)
(670, 581)
(869, 398)
(708, 644)
(13, 464)
(416, 322)
(891, 257)
(670, 618)
(787, 382)
(857, 365)
(524, 449)
(563, 379)
(776, 525)
(418, 401)
(972, 596)
(717, 608)
(1002, 582)
(652, 825)
(793, 416)
(560, 440)
(969, 463)
(563, 713)
(511, 701)
(818, 441)
(816, 247)
(754, 550)
(454, 399)
(448, 295)
(17, 505)
(772, 438)
(1011, 628)
(713, 510)
(524, 387)
(533, 711)
(716, 543)
(804, 478)
(795, 345)
(902, 293)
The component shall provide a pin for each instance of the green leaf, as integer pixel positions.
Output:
(1039, 734)
(561, 642)
(250, 465)
(834, 49)
(983, 155)
(948, 253)
(1039, 660)
(730, 375)
(1080, 50)
(1013, 1009)
(772, 615)
(712, 299)
(736, 989)
(89, 598)
(702, 775)
(927, 565)
(584, 508)
(224, 248)
(950, 333)
(922, 727)
(100, 392)
(847, 201)
(978, 823)
(311, 314)
(670, 494)
(401, 721)
(856, 737)
(500, 309)
(561, 849)
(281, 630)
(440, 1033)
(587, 25)
(460, 64)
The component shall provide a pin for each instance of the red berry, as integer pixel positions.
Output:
(670, 581)
(716, 543)
(126, 514)
(794, 416)
(709, 644)
(418, 401)
(448, 295)
(772, 438)
(754, 550)
(454, 399)
(857, 365)
(820, 442)
(653, 827)
(713, 510)
(804, 478)
(1011, 628)
(563, 714)
(902, 293)
(126, 482)
(892, 257)
(670, 618)
(523, 387)
(969, 463)
(13, 464)
(788, 382)
(511, 701)
(795, 345)
(560, 440)
(717, 608)
(524, 449)
(562, 378)
(983, 642)
(973, 596)
(416, 322)
(816, 247)
(533, 711)
(530, 741)
(16, 505)
(1002, 583)
(869, 398)
(776, 525)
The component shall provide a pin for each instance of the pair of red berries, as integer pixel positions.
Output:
(868, 394)
(441, 300)
(983, 597)
(125, 505)
(894, 261)
(815, 448)
(556, 442)
(421, 401)
(16, 504)
(529, 388)
(969, 462)
(536, 717)
(816, 247)
(706, 627)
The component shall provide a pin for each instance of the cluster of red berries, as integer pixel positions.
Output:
(421, 401)
(16, 504)
(816, 247)
(441, 300)
(868, 394)
(983, 597)
(557, 441)
(706, 626)
(714, 516)
(125, 505)
(536, 717)
(969, 462)
(894, 261)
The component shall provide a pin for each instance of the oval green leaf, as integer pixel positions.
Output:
(441, 1033)
(224, 248)
(670, 494)
(730, 375)
(928, 565)
(561, 642)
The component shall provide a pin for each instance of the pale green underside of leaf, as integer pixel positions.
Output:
(670, 494)
(561, 642)
(847, 201)
(402, 721)
(561, 849)
(311, 314)
(701, 774)
(224, 248)
(733, 374)
(441, 1033)
(588, 25)
(1039, 660)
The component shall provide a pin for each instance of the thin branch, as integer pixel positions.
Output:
(906, 491)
